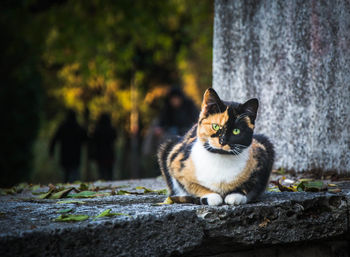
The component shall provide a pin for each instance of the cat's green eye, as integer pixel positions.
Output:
(215, 126)
(236, 131)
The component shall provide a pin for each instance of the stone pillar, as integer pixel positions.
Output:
(295, 57)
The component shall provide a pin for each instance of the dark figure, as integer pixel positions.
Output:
(103, 146)
(178, 115)
(71, 137)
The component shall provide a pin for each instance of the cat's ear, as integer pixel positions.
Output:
(250, 107)
(211, 102)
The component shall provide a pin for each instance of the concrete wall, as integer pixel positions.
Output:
(295, 57)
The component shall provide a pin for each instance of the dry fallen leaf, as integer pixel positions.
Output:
(264, 223)
(166, 201)
(335, 190)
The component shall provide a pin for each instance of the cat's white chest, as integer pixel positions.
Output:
(212, 169)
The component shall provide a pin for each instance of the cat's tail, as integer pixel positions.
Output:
(263, 172)
(163, 153)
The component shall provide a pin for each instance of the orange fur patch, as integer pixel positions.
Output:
(206, 97)
(175, 165)
(197, 189)
(256, 144)
(188, 179)
(205, 129)
(249, 122)
(226, 147)
(187, 173)
(172, 152)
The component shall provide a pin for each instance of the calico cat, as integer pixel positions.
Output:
(219, 159)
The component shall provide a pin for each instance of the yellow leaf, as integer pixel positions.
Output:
(166, 201)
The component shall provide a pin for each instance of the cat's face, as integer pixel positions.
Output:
(226, 127)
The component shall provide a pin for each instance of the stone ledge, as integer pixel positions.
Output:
(27, 229)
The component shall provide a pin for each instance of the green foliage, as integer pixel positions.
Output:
(70, 202)
(99, 48)
(108, 213)
(114, 56)
(88, 194)
(150, 191)
(71, 218)
(64, 210)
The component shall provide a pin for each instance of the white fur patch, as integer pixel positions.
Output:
(211, 169)
(213, 199)
(235, 199)
(178, 190)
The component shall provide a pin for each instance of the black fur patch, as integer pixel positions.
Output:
(258, 180)
(163, 152)
(215, 150)
(204, 201)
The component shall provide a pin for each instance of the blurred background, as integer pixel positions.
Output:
(90, 88)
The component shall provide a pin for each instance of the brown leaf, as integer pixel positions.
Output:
(52, 187)
(336, 190)
(264, 223)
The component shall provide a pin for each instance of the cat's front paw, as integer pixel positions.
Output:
(211, 199)
(235, 199)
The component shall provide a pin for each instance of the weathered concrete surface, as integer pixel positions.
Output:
(295, 57)
(27, 229)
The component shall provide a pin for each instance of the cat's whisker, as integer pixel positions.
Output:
(239, 149)
(243, 146)
(235, 152)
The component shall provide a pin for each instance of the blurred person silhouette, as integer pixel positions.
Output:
(71, 136)
(102, 143)
(178, 114)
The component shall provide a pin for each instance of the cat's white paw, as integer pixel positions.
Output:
(211, 199)
(235, 199)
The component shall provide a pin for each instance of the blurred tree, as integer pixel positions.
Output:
(87, 54)
(97, 47)
(107, 56)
